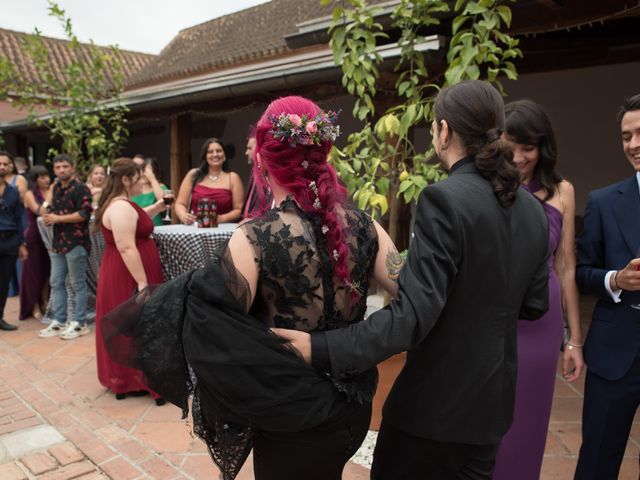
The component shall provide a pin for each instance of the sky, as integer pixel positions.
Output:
(138, 25)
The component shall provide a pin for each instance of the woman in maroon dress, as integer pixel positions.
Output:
(211, 181)
(35, 270)
(130, 262)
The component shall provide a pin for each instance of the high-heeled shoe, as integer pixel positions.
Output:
(160, 401)
(138, 393)
(121, 396)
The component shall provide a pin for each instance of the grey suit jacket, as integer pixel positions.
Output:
(474, 268)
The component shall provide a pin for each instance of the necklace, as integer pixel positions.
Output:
(213, 178)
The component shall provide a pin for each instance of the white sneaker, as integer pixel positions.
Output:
(54, 329)
(74, 330)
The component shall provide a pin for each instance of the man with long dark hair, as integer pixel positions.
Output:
(608, 264)
(476, 263)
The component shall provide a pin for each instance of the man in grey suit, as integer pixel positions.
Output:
(476, 264)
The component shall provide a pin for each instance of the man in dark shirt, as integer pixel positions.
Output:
(12, 243)
(69, 213)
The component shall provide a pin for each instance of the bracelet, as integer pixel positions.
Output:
(574, 345)
(615, 280)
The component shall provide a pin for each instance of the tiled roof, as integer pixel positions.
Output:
(60, 54)
(257, 33)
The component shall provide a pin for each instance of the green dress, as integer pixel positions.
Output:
(145, 199)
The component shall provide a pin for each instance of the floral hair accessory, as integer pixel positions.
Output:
(314, 188)
(296, 130)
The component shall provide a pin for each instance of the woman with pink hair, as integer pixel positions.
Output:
(304, 261)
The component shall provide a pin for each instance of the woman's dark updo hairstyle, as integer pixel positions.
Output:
(528, 124)
(203, 168)
(474, 110)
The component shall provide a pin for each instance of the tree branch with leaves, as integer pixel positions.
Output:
(380, 161)
(79, 102)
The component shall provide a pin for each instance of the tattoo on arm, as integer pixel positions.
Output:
(394, 264)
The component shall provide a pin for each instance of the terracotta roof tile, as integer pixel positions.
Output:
(60, 55)
(255, 33)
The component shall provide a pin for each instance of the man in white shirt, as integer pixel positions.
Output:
(608, 267)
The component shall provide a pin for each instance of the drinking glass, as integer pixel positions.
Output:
(168, 199)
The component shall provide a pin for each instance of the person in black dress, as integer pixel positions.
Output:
(304, 261)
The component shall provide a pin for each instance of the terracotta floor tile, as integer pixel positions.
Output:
(629, 469)
(200, 466)
(159, 469)
(166, 413)
(40, 349)
(557, 468)
(569, 436)
(98, 451)
(62, 364)
(84, 384)
(134, 450)
(11, 471)
(554, 446)
(566, 409)
(120, 469)
(164, 436)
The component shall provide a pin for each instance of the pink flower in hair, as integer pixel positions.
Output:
(302, 130)
(295, 119)
(311, 128)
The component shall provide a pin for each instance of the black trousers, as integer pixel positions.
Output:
(318, 454)
(401, 456)
(8, 257)
(607, 415)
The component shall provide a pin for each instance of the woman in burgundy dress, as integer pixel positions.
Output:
(35, 270)
(534, 153)
(211, 181)
(130, 262)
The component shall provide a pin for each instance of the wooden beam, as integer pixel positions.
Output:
(179, 149)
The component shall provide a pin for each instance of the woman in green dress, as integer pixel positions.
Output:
(152, 189)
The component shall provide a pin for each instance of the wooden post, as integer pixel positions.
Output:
(179, 150)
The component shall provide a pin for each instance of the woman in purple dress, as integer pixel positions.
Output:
(35, 270)
(534, 150)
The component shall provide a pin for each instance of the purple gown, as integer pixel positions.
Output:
(35, 270)
(522, 448)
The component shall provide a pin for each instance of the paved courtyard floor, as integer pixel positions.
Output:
(57, 422)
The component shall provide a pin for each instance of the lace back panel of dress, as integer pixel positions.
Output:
(296, 286)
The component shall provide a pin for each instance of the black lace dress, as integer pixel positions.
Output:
(198, 336)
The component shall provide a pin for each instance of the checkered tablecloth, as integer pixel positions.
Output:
(185, 247)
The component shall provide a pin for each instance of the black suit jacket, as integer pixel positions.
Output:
(473, 269)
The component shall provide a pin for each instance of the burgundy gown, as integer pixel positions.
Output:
(522, 448)
(115, 285)
(222, 196)
(36, 268)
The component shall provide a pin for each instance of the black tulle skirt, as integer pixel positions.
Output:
(192, 338)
